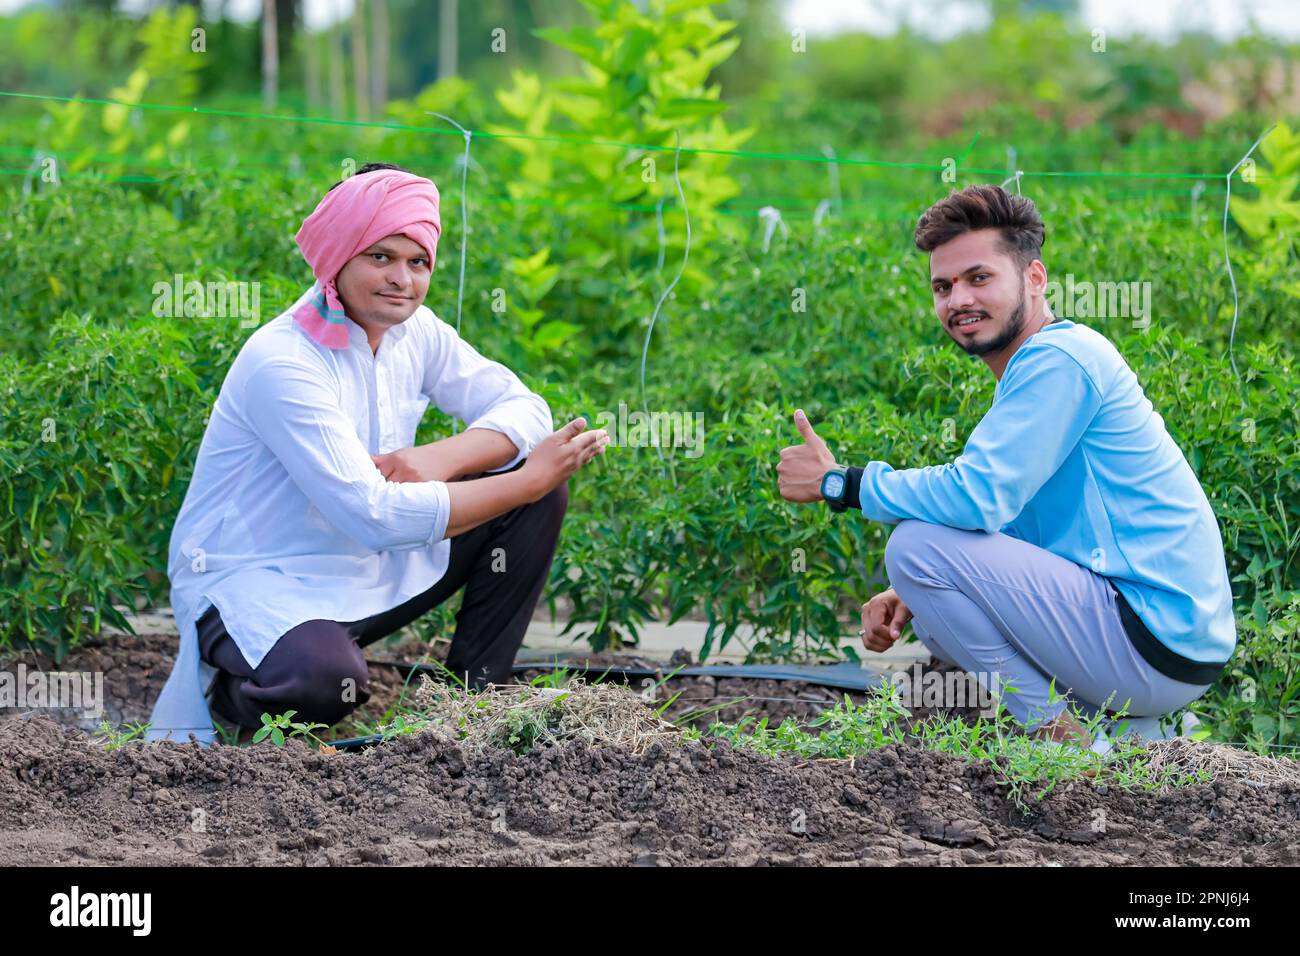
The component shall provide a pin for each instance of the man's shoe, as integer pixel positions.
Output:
(1101, 743)
(229, 728)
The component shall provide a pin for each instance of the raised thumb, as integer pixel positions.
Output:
(805, 427)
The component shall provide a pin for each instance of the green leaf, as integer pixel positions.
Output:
(1265, 725)
(580, 40)
(520, 101)
(632, 50)
(529, 317)
(553, 335)
(690, 108)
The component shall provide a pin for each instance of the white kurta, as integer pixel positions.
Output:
(287, 519)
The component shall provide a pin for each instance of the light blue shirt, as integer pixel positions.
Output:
(1073, 458)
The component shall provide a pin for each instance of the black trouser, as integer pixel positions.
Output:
(317, 668)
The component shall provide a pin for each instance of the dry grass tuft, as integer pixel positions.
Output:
(521, 717)
(1181, 756)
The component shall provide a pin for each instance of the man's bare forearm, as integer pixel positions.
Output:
(474, 502)
(473, 451)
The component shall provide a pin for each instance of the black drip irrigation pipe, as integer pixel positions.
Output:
(843, 676)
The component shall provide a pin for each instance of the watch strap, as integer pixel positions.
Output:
(853, 488)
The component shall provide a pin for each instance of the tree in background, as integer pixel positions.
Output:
(270, 55)
(360, 70)
(448, 45)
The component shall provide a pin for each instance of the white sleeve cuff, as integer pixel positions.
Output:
(443, 513)
(522, 447)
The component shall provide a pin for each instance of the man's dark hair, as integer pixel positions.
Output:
(369, 168)
(984, 207)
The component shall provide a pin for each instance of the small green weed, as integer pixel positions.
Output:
(115, 739)
(275, 727)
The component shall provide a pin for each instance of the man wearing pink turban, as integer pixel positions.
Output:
(386, 203)
(312, 526)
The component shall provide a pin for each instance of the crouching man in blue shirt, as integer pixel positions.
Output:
(1070, 541)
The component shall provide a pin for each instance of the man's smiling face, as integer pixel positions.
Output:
(979, 291)
(385, 283)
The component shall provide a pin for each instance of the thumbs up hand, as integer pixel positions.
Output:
(802, 466)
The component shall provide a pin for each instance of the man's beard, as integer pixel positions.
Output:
(1014, 325)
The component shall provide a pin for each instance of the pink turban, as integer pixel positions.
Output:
(354, 215)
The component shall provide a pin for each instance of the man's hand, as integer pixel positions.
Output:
(883, 618)
(802, 466)
(560, 454)
(471, 453)
(421, 463)
(551, 462)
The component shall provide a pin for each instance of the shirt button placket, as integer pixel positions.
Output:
(382, 399)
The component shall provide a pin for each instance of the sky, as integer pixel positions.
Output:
(1160, 19)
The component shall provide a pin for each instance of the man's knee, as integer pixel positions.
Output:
(903, 549)
(551, 505)
(330, 693)
(555, 503)
(332, 677)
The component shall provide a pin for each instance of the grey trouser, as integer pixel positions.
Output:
(1012, 613)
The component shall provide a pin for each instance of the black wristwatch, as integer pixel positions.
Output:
(841, 488)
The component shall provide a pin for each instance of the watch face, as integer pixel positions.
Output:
(833, 486)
